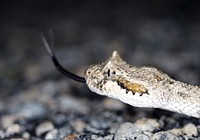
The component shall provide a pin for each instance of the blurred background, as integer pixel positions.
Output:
(164, 34)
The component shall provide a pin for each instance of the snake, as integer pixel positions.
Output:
(146, 87)
(142, 87)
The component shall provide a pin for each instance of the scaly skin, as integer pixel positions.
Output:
(142, 87)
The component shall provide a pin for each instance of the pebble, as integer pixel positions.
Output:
(89, 136)
(8, 120)
(64, 131)
(164, 136)
(132, 131)
(78, 125)
(139, 130)
(60, 119)
(100, 122)
(70, 137)
(109, 137)
(126, 131)
(137, 136)
(26, 135)
(43, 128)
(59, 133)
(190, 130)
(94, 130)
(13, 130)
(97, 137)
(145, 124)
(176, 131)
(52, 134)
(84, 136)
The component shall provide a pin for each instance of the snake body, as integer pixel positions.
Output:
(142, 87)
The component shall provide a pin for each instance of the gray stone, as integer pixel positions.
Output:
(176, 131)
(139, 136)
(97, 137)
(26, 136)
(164, 136)
(58, 133)
(100, 122)
(145, 124)
(94, 130)
(13, 129)
(53, 134)
(84, 136)
(190, 130)
(78, 125)
(126, 131)
(64, 131)
(43, 128)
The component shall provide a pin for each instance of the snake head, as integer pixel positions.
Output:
(97, 75)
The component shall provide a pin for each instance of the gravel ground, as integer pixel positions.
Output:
(37, 102)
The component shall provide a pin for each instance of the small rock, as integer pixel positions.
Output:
(190, 130)
(129, 131)
(109, 137)
(96, 137)
(94, 130)
(8, 120)
(84, 136)
(100, 122)
(176, 131)
(126, 131)
(52, 134)
(164, 136)
(138, 136)
(149, 134)
(78, 125)
(61, 119)
(58, 133)
(43, 128)
(13, 129)
(70, 137)
(185, 137)
(26, 135)
(64, 131)
(147, 124)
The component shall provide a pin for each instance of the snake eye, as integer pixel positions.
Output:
(108, 72)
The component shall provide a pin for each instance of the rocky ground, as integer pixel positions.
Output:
(37, 102)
